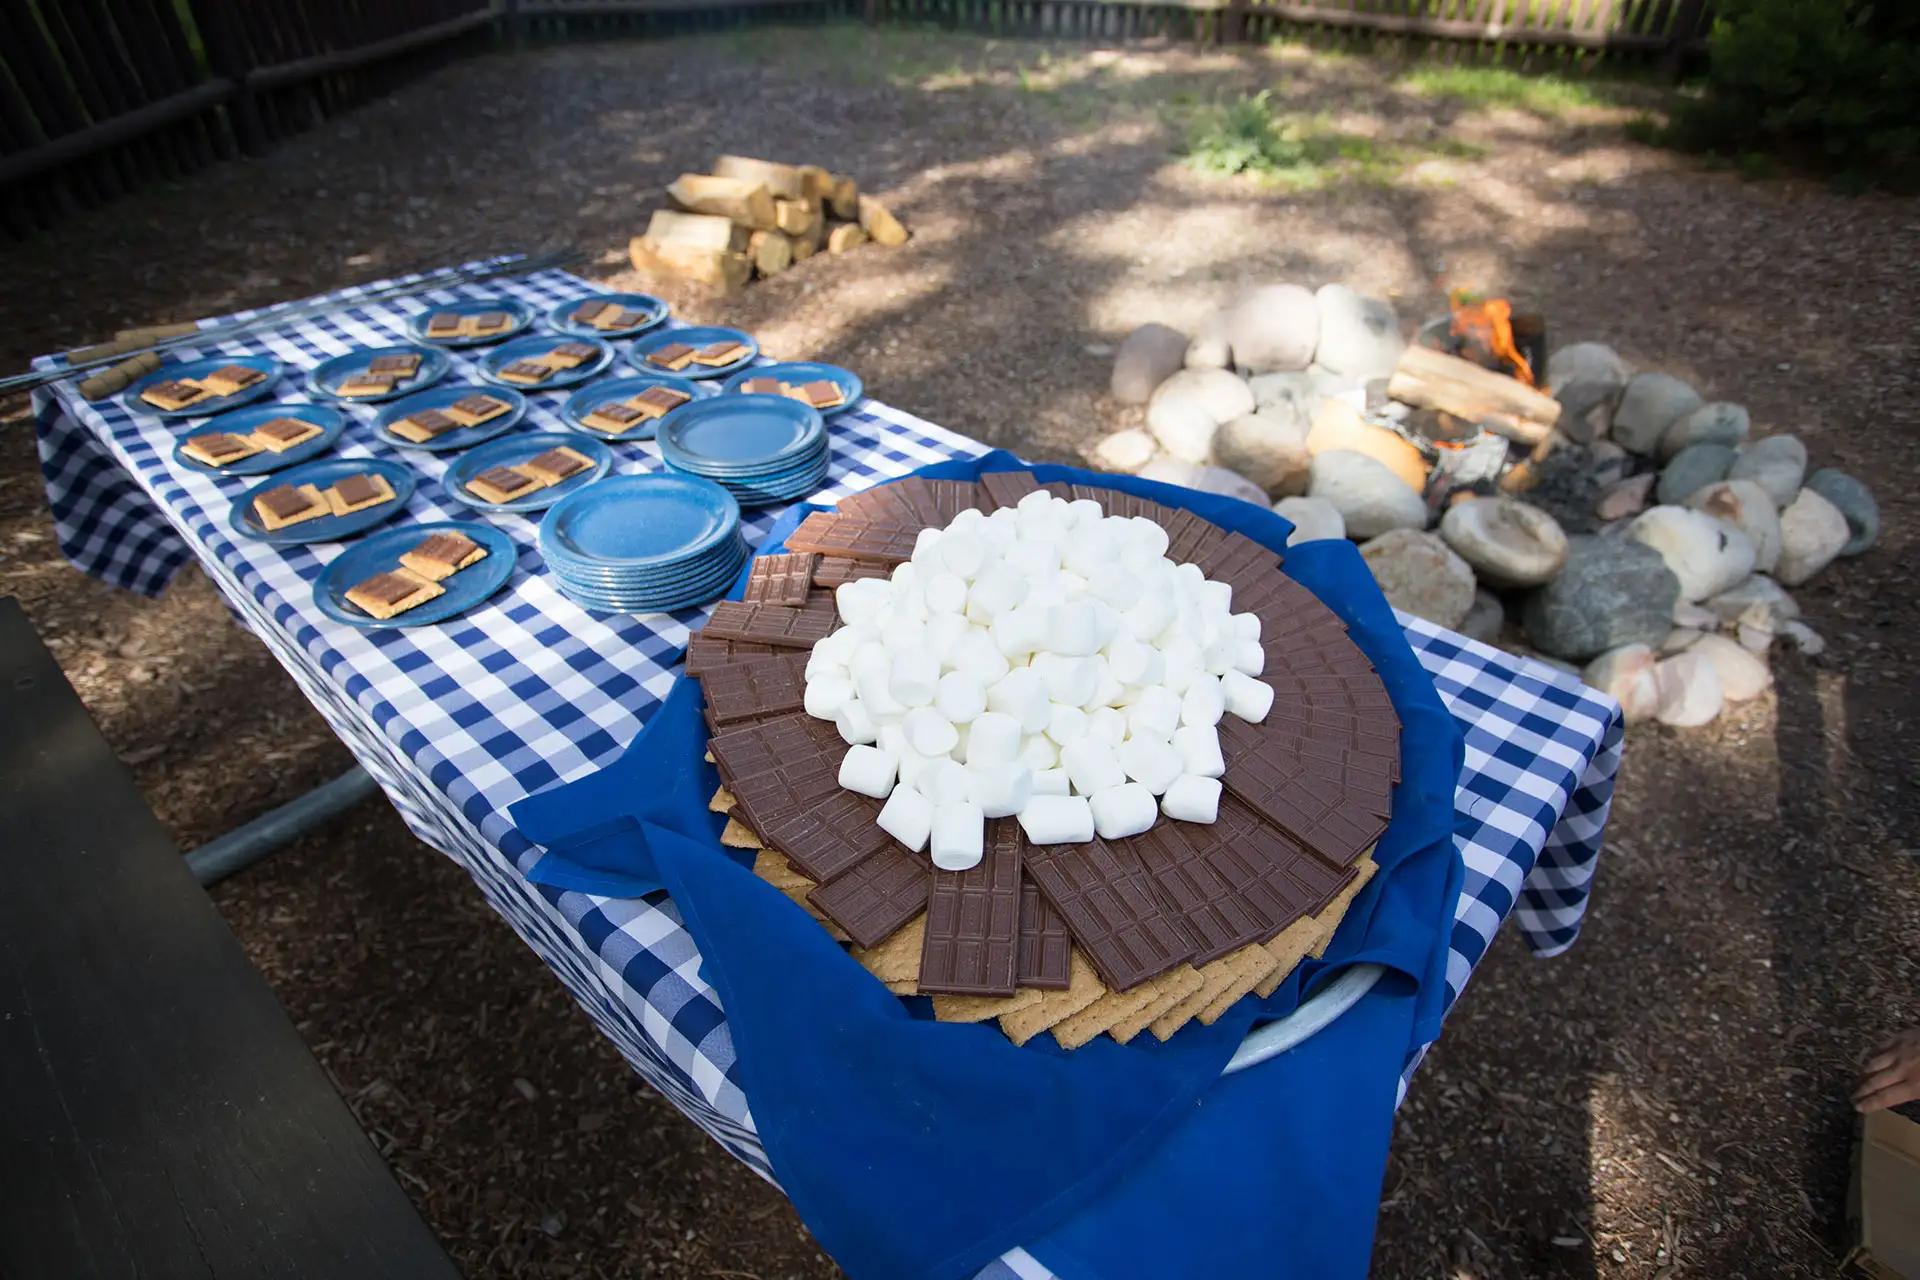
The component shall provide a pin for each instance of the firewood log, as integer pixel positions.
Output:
(796, 217)
(844, 199)
(1429, 379)
(748, 203)
(815, 183)
(877, 222)
(847, 235)
(783, 180)
(697, 231)
(722, 269)
(771, 251)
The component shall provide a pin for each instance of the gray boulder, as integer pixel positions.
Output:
(1855, 502)
(1625, 498)
(1370, 498)
(1147, 357)
(1716, 423)
(1651, 403)
(1420, 574)
(1509, 543)
(1777, 464)
(1268, 449)
(1297, 393)
(1693, 469)
(1746, 506)
(1313, 519)
(1611, 592)
(1706, 556)
(1593, 363)
(1485, 619)
(1812, 533)
(1359, 337)
(1210, 348)
(1272, 328)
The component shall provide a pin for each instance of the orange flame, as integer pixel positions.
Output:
(1490, 324)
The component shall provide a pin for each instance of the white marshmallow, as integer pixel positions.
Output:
(1127, 658)
(912, 766)
(1154, 713)
(1108, 692)
(1073, 629)
(961, 554)
(945, 781)
(907, 817)
(1036, 500)
(945, 593)
(1108, 725)
(826, 694)
(892, 739)
(1002, 790)
(914, 677)
(1216, 598)
(978, 656)
(992, 739)
(1246, 697)
(840, 646)
(1246, 626)
(1068, 585)
(1199, 749)
(1068, 680)
(1051, 782)
(1020, 631)
(1183, 661)
(959, 751)
(1064, 723)
(969, 520)
(945, 631)
(1192, 798)
(960, 697)
(1038, 751)
(854, 724)
(900, 631)
(929, 732)
(905, 576)
(1190, 579)
(868, 770)
(959, 836)
(1087, 550)
(994, 592)
(1149, 536)
(858, 601)
(1249, 656)
(1091, 765)
(1022, 694)
(926, 545)
(1050, 819)
(1151, 762)
(1122, 811)
(1150, 615)
(1203, 703)
(1034, 560)
(1219, 653)
(1086, 512)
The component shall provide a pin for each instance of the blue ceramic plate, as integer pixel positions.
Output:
(538, 344)
(606, 578)
(241, 421)
(698, 336)
(742, 436)
(753, 495)
(705, 591)
(652, 521)
(200, 368)
(559, 318)
(464, 589)
(584, 401)
(440, 398)
(522, 317)
(802, 371)
(321, 474)
(325, 377)
(505, 453)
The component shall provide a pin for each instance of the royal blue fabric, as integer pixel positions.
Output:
(918, 1149)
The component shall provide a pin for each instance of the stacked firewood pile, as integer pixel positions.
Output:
(754, 217)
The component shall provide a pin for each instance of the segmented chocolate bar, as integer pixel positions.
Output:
(1006, 488)
(774, 624)
(1045, 958)
(1307, 796)
(756, 690)
(398, 365)
(874, 898)
(973, 921)
(833, 534)
(893, 502)
(781, 579)
(283, 501)
(1199, 876)
(835, 571)
(588, 312)
(706, 653)
(1239, 561)
(1110, 906)
(785, 772)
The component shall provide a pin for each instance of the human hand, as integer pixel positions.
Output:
(1891, 1076)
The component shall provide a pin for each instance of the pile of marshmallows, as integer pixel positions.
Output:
(1046, 662)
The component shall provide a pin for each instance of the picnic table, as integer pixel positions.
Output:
(459, 721)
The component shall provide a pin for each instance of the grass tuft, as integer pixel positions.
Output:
(1499, 87)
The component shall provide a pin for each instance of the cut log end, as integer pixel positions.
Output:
(721, 269)
(796, 217)
(771, 251)
(848, 235)
(844, 198)
(878, 222)
(784, 180)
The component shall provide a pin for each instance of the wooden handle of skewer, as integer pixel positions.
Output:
(117, 379)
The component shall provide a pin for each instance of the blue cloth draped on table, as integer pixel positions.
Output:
(913, 1148)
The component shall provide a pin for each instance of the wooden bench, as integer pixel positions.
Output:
(159, 1114)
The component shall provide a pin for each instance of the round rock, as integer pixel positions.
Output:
(1651, 403)
(1855, 502)
(1124, 451)
(1370, 498)
(1313, 519)
(1268, 449)
(1746, 506)
(1230, 484)
(1776, 463)
(1210, 348)
(1586, 362)
(1812, 533)
(1297, 393)
(1147, 357)
(1627, 675)
(1420, 574)
(1716, 423)
(1693, 469)
(1509, 543)
(1173, 471)
(1690, 692)
(1612, 592)
(1221, 393)
(1706, 556)
(1272, 328)
(1742, 675)
(1485, 619)
(1359, 337)
(1758, 590)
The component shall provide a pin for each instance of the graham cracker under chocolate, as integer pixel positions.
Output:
(1082, 989)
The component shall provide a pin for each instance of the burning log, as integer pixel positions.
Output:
(1429, 379)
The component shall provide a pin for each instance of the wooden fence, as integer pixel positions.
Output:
(100, 96)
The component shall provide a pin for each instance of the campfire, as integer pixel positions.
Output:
(1487, 332)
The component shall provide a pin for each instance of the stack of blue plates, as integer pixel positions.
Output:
(644, 544)
(761, 449)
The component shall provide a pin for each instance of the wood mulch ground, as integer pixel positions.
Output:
(1664, 1100)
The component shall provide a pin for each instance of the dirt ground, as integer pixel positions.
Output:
(1665, 1100)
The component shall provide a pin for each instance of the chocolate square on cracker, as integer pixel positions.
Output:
(218, 448)
(675, 356)
(527, 372)
(624, 318)
(282, 434)
(387, 594)
(823, 394)
(285, 505)
(356, 493)
(173, 394)
(471, 411)
(488, 322)
(445, 324)
(403, 365)
(229, 378)
(764, 387)
(614, 418)
(657, 402)
(569, 355)
(592, 312)
(502, 484)
(442, 555)
(423, 426)
(366, 384)
(556, 465)
(724, 352)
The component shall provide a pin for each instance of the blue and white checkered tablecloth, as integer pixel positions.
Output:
(459, 721)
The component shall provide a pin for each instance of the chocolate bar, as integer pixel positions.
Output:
(673, 355)
(1006, 488)
(723, 352)
(471, 411)
(282, 434)
(555, 465)
(877, 896)
(230, 378)
(173, 394)
(386, 594)
(491, 322)
(1308, 796)
(823, 394)
(709, 653)
(1109, 904)
(785, 773)
(782, 579)
(501, 484)
(834, 571)
(403, 365)
(1207, 874)
(285, 505)
(527, 372)
(973, 921)
(763, 387)
(217, 448)
(1238, 561)
(444, 324)
(614, 418)
(833, 534)
(366, 384)
(423, 426)
(755, 690)
(356, 493)
(657, 402)
(1045, 958)
(625, 318)
(589, 312)
(442, 555)
(774, 624)
(570, 355)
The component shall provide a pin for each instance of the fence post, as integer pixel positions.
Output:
(516, 24)
(1686, 25)
(1233, 27)
(230, 57)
